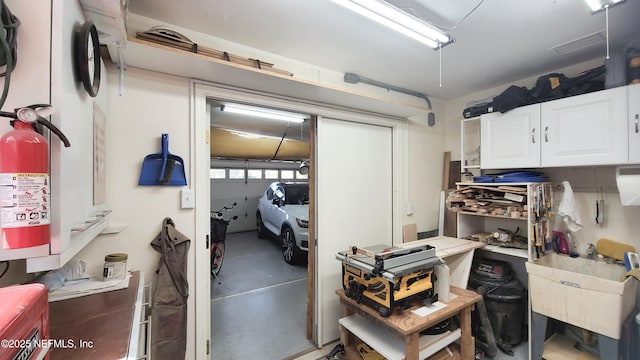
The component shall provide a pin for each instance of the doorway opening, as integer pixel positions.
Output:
(334, 132)
(260, 291)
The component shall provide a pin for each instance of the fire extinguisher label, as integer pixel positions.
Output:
(24, 200)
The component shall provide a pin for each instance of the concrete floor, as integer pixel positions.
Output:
(259, 309)
(520, 352)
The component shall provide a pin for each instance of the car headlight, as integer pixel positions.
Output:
(302, 223)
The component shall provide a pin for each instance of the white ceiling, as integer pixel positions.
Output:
(498, 43)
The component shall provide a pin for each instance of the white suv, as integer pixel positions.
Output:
(283, 212)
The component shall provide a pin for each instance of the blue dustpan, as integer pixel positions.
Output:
(163, 168)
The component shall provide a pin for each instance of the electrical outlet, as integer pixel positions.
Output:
(187, 199)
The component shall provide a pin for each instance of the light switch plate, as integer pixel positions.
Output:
(187, 201)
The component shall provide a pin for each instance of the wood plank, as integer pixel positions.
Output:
(513, 189)
(455, 167)
(451, 352)
(374, 336)
(351, 353)
(164, 59)
(210, 53)
(411, 346)
(311, 256)
(450, 227)
(174, 43)
(446, 246)
(356, 329)
(409, 232)
(445, 170)
(470, 188)
(467, 343)
(403, 322)
(344, 335)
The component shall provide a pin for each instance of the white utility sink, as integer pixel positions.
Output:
(590, 294)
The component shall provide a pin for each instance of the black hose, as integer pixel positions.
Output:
(8, 47)
(6, 268)
(489, 348)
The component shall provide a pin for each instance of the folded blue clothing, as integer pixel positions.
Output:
(512, 177)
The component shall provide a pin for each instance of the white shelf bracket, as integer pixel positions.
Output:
(122, 66)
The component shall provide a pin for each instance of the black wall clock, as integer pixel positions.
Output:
(87, 57)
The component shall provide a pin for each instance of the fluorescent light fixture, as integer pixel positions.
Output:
(398, 20)
(588, 41)
(263, 113)
(599, 5)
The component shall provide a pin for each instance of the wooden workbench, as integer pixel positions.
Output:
(406, 326)
(98, 326)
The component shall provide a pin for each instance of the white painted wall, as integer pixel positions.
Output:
(134, 128)
(72, 169)
(151, 104)
(423, 180)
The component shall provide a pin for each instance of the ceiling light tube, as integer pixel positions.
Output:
(398, 20)
(263, 113)
(599, 5)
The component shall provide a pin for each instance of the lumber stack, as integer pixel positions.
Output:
(178, 41)
(502, 201)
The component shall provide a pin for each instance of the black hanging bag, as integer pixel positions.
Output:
(511, 98)
(586, 82)
(548, 87)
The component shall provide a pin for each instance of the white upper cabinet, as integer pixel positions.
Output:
(512, 139)
(634, 123)
(583, 130)
(589, 129)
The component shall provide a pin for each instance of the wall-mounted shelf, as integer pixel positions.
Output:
(529, 199)
(492, 216)
(470, 145)
(78, 241)
(109, 18)
(519, 253)
(113, 229)
(484, 210)
(391, 347)
(165, 59)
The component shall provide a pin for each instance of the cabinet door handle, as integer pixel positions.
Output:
(636, 123)
(533, 135)
(546, 134)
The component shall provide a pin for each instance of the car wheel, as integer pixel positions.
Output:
(290, 251)
(260, 229)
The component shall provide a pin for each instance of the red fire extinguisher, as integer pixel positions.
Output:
(25, 208)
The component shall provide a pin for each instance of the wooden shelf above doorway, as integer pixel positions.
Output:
(165, 59)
